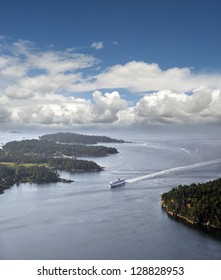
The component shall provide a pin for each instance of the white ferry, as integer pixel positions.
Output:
(117, 183)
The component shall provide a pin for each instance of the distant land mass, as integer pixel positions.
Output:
(196, 203)
(69, 137)
(44, 148)
(38, 161)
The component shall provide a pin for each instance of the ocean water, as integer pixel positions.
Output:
(87, 220)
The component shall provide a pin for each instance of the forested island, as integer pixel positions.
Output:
(51, 148)
(39, 160)
(75, 138)
(196, 203)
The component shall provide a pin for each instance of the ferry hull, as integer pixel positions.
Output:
(117, 183)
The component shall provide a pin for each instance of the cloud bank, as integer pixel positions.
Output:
(38, 88)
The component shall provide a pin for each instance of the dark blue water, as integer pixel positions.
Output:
(86, 220)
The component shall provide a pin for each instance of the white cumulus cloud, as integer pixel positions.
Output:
(163, 107)
(107, 106)
(38, 87)
(54, 109)
(97, 45)
(139, 76)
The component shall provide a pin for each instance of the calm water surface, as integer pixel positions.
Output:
(86, 220)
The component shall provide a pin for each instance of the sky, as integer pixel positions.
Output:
(119, 63)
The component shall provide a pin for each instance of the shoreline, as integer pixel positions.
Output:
(60, 180)
(176, 215)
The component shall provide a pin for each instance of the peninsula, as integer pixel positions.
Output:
(196, 203)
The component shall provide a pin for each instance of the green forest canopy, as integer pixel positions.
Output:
(198, 203)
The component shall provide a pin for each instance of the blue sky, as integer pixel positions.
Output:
(120, 62)
(171, 32)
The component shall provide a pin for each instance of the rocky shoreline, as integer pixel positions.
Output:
(177, 215)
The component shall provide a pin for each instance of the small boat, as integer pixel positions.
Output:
(119, 182)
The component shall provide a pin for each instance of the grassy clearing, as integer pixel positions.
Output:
(8, 163)
(14, 164)
(32, 164)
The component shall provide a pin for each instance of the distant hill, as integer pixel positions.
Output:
(197, 203)
(74, 138)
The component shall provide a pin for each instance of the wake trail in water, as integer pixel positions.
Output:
(174, 169)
